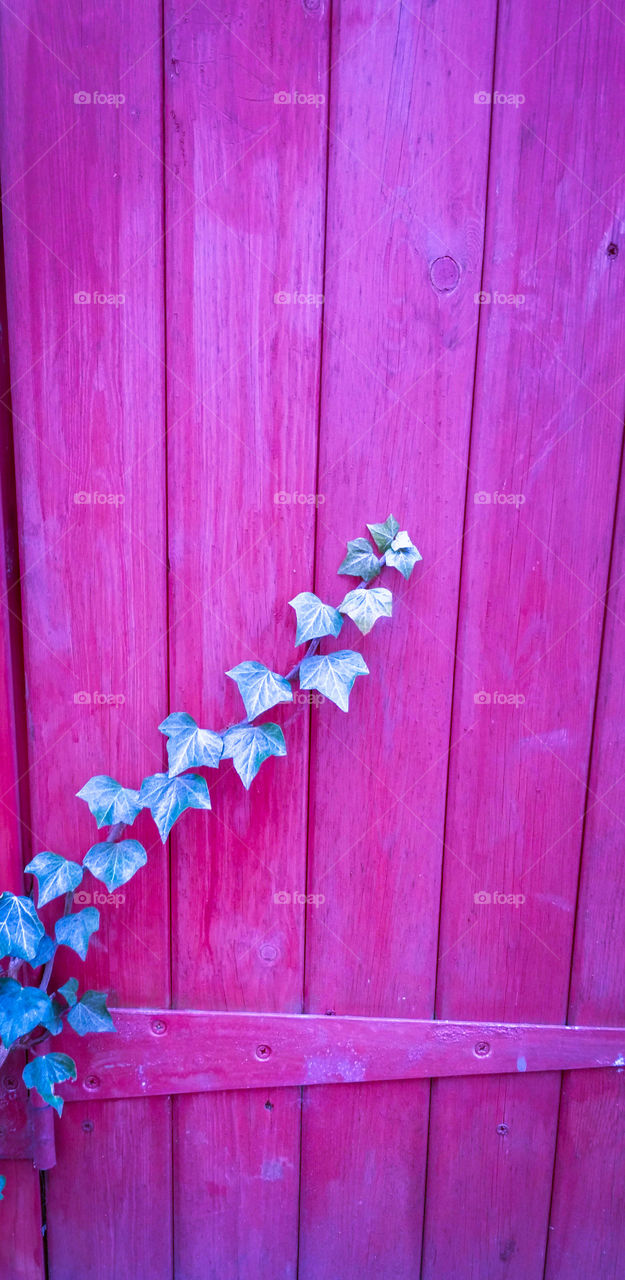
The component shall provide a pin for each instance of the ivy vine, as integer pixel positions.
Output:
(31, 1010)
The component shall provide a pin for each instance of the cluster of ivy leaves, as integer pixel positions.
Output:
(29, 1012)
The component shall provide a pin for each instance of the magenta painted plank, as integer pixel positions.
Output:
(245, 207)
(21, 1252)
(546, 438)
(82, 184)
(403, 261)
(587, 1228)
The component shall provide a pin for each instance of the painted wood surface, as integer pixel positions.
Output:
(245, 177)
(83, 219)
(403, 262)
(369, 260)
(21, 1252)
(547, 433)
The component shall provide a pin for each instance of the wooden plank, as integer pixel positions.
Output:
(403, 262)
(82, 185)
(245, 209)
(547, 438)
(587, 1226)
(21, 1251)
(193, 1051)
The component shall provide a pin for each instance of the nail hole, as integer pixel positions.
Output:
(87, 1126)
(502, 1130)
(612, 250)
(268, 1105)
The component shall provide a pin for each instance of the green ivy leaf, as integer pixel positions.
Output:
(115, 862)
(360, 561)
(333, 674)
(314, 618)
(259, 687)
(55, 875)
(90, 1014)
(68, 991)
(21, 929)
(42, 1073)
(383, 534)
(365, 606)
(109, 802)
(249, 745)
(188, 746)
(75, 930)
(167, 798)
(21, 1010)
(53, 1020)
(403, 554)
(44, 952)
(3, 1183)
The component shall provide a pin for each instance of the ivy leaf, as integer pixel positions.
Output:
(403, 554)
(21, 929)
(167, 798)
(45, 952)
(360, 561)
(53, 1019)
(366, 606)
(42, 1073)
(90, 1014)
(75, 930)
(383, 534)
(68, 991)
(189, 746)
(249, 745)
(115, 862)
(109, 802)
(259, 687)
(314, 619)
(3, 1183)
(333, 674)
(21, 1010)
(55, 875)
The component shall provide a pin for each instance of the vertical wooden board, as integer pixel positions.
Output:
(245, 209)
(545, 452)
(403, 262)
(21, 1253)
(587, 1231)
(82, 183)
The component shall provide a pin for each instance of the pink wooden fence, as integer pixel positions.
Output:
(370, 256)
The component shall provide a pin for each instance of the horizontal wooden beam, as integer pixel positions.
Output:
(163, 1051)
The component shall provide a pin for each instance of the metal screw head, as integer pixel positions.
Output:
(263, 1051)
(92, 1082)
(158, 1027)
(87, 1126)
(482, 1049)
(10, 1084)
(502, 1130)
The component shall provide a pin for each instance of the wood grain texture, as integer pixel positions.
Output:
(548, 428)
(587, 1232)
(245, 207)
(21, 1252)
(82, 193)
(402, 264)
